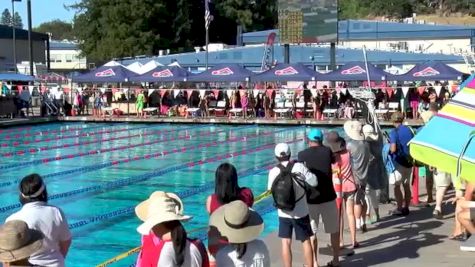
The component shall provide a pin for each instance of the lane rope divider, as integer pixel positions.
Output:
(99, 166)
(93, 152)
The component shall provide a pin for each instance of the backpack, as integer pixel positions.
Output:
(283, 188)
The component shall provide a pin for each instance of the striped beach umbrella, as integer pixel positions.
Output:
(447, 142)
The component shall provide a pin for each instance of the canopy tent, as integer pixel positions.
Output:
(53, 78)
(152, 64)
(112, 63)
(287, 73)
(16, 77)
(430, 71)
(135, 67)
(106, 74)
(437, 147)
(356, 71)
(223, 73)
(163, 74)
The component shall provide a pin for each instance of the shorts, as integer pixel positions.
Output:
(360, 196)
(329, 213)
(349, 196)
(401, 175)
(442, 179)
(302, 228)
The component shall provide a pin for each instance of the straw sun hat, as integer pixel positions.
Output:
(18, 242)
(160, 207)
(237, 223)
(354, 130)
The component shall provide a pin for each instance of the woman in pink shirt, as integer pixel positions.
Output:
(342, 169)
(244, 104)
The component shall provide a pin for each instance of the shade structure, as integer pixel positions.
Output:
(106, 74)
(135, 67)
(287, 73)
(356, 71)
(16, 77)
(163, 74)
(450, 135)
(430, 71)
(223, 73)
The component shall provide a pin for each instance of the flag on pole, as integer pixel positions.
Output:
(208, 15)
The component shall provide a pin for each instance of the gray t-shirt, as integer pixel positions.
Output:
(360, 156)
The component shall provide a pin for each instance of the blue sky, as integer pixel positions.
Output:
(42, 10)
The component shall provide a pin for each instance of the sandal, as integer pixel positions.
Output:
(460, 237)
(356, 245)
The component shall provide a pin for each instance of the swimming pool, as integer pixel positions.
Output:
(98, 173)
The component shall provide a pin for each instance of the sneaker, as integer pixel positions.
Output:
(395, 212)
(468, 245)
(405, 211)
(437, 214)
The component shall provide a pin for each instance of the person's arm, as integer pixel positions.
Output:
(392, 141)
(310, 178)
(64, 247)
(208, 204)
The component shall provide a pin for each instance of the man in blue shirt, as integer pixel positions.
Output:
(399, 149)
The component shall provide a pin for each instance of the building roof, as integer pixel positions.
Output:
(251, 56)
(62, 45)
(6, 32)
(358, 30)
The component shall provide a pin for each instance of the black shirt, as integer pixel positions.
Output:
(319, 161)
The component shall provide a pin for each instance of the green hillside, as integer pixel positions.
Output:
(356, 9)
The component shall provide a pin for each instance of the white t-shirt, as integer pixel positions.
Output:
(193, 256)
(301, 208)
(52, 223)
(256, 255)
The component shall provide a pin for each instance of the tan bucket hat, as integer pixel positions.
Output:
(18, 242)
(354, 130)
(158, 208)
(237, 223)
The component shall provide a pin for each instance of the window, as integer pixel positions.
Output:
(69, 58)
(55, 58)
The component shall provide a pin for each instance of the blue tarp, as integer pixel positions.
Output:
(430, 71)
(286, 73)
(163, 74)
(106, 74)
(16, 77)
(356, 71)
(223, 73)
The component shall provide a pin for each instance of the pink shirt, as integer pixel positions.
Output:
(344, 163)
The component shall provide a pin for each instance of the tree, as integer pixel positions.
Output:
(109, 29)
(58, 29)
(17, 21)
(6, 18)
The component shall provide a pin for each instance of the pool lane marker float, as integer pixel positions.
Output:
(136, 158)
(62, 137)
(92, 152)
(46, 132)
(46, 148)
(147, 176)
(143, 177)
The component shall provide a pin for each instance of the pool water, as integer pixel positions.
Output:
(98, 173)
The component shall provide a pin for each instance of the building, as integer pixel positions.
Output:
(388, 44)
(66, 57)
(40, 45)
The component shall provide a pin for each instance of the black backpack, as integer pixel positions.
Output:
(283, 188)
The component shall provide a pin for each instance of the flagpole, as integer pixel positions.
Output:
(207, 23)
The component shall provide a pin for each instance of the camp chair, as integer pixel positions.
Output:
(382, 112)
(220, 108)
(281, 110)
(330, 113)
(193, 112)
(393, 108)
(150, 111)
(212, 106)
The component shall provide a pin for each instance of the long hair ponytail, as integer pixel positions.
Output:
(179, 239)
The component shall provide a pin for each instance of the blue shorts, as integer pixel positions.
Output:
(303, 230)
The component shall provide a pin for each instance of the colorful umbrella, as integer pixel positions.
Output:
(447, 142)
